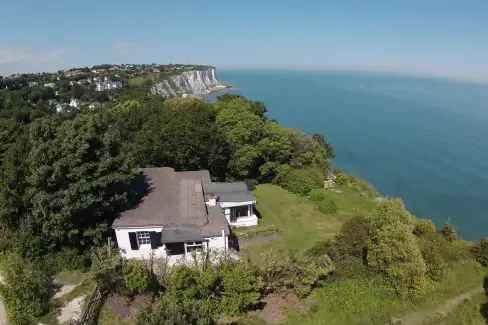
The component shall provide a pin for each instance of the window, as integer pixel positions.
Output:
(193, 246)
(143, 238)
(239, 212)
(175, 248)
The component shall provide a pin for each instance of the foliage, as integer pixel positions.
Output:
(317, 194)
(327, 207)
(480, 251)
(393, 251)
(324, 247)
(24, 289)
(171, 311)
(341, 179)
(423, 227)
(107, 269)
(434, 261)
(352, 238)
(300, 273)
(136, 277)
(449, 232)
(300, 181)
(239, 289)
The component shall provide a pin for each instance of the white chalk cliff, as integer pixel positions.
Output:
(194, 82)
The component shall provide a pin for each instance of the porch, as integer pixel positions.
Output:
(240, 215)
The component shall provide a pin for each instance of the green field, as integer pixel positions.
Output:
(361, 299)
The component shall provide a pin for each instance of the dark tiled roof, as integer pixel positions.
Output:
(172, 199)
(229, 192)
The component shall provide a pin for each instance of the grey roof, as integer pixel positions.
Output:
(182, 234)
(172, 199)
(229, 192)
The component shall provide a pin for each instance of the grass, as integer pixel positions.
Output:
(361, 299)
(468, 313)
(299, 222)
(107, 317)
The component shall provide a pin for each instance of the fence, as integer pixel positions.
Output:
(93, 307)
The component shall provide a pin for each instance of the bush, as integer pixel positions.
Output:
(239, 290)
(341, 179)
(317, 194)
(432, 256)
(301, 181)
(169, 310)
(300, 273)
(423, 227)
(393, 251)
(25, 289)
(449, 232)
(70, 259)
(136, 277)
(480, 251)
(353, 236)
(324, 247)
(327, 207)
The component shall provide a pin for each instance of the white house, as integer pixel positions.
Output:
(94, 105)
(108, 85)
(50, 85)
(74, 103)
(180, 212)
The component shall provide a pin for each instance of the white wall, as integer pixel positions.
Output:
(145, 251)
(251, 220)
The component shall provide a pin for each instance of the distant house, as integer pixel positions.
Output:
(33, 84)
(181, 212)
(74, 103)
(50, 85)
(108, 85)
(71, 83)
(95, 105)
(61, 107)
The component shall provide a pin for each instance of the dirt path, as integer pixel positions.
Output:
(419, 317)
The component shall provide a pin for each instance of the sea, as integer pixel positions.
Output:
(422, 140)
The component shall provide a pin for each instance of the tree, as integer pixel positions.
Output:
(25, 289)
(392, 249)
(449, 232)
(77, 91)
(321, 140)
(78, 179)
(480, 251)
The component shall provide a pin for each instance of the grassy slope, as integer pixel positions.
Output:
(353, 300)
(298, 221)
(468, 313)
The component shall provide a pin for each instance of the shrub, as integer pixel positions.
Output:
(324, 247)
(317, 194)
(136, 278)
(449, 232)
(327, 207)
(300, 273)
(341, 179)
(300, 181)
(239, 289)
(480, 251)
(423, 227)
(353, 236)
(70, 259)
(432, 256)
(169, 310)
(25, 289)
(393, 251)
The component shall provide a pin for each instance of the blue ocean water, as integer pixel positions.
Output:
(423, 140)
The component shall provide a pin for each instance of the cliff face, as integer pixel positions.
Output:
(194, 82)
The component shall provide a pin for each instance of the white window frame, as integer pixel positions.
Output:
(193, 244)
(143, 238)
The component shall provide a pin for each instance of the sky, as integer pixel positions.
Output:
(434, 37)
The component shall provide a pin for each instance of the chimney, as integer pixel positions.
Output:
(212, 200)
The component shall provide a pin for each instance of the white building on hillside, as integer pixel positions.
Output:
(181, 212)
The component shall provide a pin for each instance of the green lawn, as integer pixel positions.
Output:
(299, 222)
